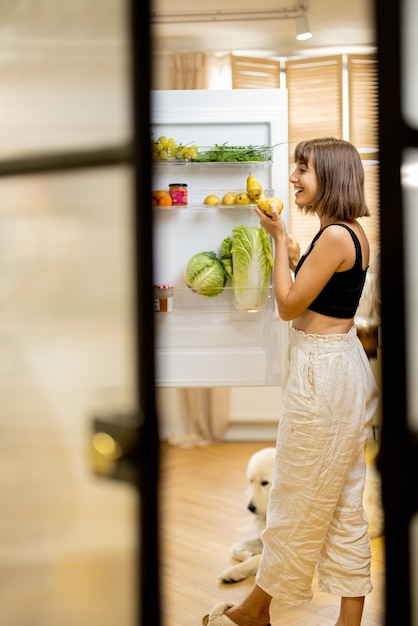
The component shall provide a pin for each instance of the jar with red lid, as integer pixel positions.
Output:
(178, 193)
(163, 298)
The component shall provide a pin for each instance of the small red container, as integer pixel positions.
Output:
(163, 298)
(178, 193)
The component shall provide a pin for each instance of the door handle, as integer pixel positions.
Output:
(115, 446)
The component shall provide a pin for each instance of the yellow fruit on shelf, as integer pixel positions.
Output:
(254, 188)
(243, 198)
(266, 204)
(212, 200)
(229, 198)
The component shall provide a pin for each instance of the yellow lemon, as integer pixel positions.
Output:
(243, 198)
(229, 198)
(212, 200)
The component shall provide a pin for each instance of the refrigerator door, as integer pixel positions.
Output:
(215, 341)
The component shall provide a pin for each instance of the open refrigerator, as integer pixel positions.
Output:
(206, 341)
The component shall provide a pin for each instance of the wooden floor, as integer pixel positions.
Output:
(203, 512)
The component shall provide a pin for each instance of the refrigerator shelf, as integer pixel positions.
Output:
(197, 197)
(203, 164)
(205, 207)
(185, 301)
(225, 154)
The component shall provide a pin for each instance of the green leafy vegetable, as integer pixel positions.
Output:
(224, 153)
(248, 259)
(205, 274)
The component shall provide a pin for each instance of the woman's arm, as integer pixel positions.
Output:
(331, 250)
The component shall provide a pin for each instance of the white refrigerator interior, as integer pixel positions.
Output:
(207, 341)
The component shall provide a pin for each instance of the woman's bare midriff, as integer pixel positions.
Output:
(317, 324)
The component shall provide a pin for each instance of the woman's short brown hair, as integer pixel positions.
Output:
(340, 176)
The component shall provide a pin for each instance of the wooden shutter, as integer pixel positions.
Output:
(315, 110)
(363, 124)
(251, 73)
(371, 224)
(315, 98)
(362, 97)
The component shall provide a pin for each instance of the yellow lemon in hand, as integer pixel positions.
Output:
(266, 204)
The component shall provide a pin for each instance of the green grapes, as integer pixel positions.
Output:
(167, 148)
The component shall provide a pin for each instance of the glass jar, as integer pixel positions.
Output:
(178, 193)
(163, 298)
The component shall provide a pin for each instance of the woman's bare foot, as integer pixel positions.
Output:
(243, 618)
(254, 610)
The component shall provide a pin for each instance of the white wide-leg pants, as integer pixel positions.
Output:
(315, 516)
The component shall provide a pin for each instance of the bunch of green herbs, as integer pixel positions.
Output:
(224, 153)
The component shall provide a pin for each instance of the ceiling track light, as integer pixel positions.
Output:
(187, 17)
(302, 28)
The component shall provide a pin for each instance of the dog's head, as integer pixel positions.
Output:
(259, 475)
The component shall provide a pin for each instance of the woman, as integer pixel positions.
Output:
(315, 517)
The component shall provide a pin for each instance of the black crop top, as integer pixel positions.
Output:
(341, 295)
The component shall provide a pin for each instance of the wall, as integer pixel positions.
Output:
(160, 70)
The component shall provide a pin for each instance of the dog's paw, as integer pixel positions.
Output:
(231, 575)
(241, 571)
(239, 554)
(246, 549)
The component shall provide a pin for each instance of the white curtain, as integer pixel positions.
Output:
(188, 71)
(205, 414)
(196, 70)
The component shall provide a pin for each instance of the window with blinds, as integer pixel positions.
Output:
(252, 73)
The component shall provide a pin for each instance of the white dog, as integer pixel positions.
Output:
(259, 476)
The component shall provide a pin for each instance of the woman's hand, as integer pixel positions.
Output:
(276, 227)
(273, 224)
(293, 251)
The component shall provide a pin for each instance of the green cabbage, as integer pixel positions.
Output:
(248, 260)
(205, 274)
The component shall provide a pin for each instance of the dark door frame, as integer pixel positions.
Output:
(399, 446)
(136, 154)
